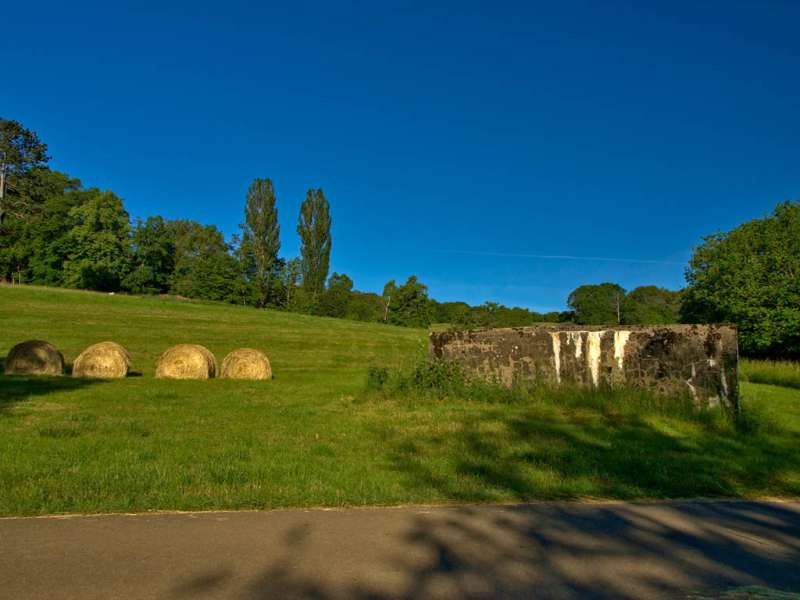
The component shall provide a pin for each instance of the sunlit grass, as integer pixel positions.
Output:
(773, 372)
(316, 436)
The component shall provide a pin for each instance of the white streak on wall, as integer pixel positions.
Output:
(689, 382)
(620, 339)
(577, 341)
(593, 354)
(723, 379)
(557, 353)
(724, 384)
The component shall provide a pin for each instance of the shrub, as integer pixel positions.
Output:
(377, 377)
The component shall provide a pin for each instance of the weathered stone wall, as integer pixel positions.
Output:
(700, 360)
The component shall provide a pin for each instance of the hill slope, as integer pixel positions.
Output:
(146, 326)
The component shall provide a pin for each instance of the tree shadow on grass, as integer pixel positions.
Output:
(17, 388)
(525, 457)
(563, 550)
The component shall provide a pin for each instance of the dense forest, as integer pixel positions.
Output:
(55, 231)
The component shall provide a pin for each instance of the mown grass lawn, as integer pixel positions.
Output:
(313, 436)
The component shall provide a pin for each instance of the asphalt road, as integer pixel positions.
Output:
(548, 550)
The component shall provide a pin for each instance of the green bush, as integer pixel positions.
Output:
(377, 377)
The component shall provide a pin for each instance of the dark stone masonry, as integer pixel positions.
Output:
(699, 360)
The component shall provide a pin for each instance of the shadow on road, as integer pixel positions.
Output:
(537, 551)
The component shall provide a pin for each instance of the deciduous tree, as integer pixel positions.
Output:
(204, 266)
(98, 255)
(260, 243)
(597, 304)
(20, 151)
(651, 305)
(153, 257)
(410, 305)
(750, 276)
(314, 229)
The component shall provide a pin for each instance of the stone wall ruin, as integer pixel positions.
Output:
(699, 360)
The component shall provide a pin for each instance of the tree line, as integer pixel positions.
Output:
(54, 231)
(57, 232)
(749, 276)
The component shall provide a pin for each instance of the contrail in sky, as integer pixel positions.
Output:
(564, 257)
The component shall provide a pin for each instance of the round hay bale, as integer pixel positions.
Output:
(186, 361)
(34, 357)
(105, 360)
(246, 363)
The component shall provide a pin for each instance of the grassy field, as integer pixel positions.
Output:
(773, 372)
(313, 436)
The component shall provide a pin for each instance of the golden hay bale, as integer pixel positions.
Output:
(34, 357)
(246, 363)
(186, 361)
(105, 360)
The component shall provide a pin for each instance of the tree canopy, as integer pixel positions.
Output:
(750, 276)
(260, 241)
(597, 304)
(409, 304)
(651, 305)
(21, 151)
(314, 229)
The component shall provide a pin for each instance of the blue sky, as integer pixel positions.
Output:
(499, 151)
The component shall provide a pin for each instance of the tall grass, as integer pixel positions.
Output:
(773, 372)
(444, 380)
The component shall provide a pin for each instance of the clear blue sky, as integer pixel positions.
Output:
(459, 142)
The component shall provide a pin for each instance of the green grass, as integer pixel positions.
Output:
(313, 436)
(780, 372)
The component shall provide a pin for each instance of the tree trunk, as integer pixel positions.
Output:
(2, 191)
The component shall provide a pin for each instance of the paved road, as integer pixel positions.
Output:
(549, 550)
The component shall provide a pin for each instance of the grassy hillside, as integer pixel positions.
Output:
(148, 325)
(313, 436)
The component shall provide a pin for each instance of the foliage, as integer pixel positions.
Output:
(750, 276)
(651, 305)
(377, 378)
(488, 314)
(153, 256)
(21, 150)
(289, 276)
(438, 378)
(258, 251)
(389, 289)
(32, 245)
(314, 229)
(98, 254)
(365, 306)
(334, 302)
(608, 304)
(597, 304)
(204, 267)
(408, 304)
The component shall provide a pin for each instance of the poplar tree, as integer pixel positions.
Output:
(314, 229)
(260, 239)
